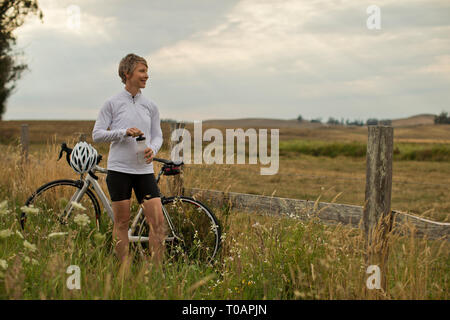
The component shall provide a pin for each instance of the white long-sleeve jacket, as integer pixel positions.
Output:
(119, 113)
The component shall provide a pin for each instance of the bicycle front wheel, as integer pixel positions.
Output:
(55, 209)
(193, 229)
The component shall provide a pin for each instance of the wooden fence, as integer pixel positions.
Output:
(376, 217)
(328, 213)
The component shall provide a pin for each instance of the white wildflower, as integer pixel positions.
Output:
(78, 205)
(5, 233)
(32, 261)
(4, 204)
(3, 264)
(29, 246)
(19, 234)
(82, 220)
(4, 212)
(99, 238)
(57, 234)
(29, 209)
(4, 208)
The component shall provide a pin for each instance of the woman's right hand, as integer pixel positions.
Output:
(134, 132)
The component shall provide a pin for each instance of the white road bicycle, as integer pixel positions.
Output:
(193, 229)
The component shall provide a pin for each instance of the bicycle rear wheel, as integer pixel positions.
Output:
(193, 230)
(55, 210)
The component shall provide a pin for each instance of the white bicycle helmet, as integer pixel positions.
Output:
(83, 157)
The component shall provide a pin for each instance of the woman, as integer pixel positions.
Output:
(128, 115)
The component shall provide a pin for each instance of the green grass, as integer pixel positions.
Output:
(322, 148)
(261, 258)
(402, 151)
(435, 152)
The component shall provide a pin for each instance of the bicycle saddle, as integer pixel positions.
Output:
(169, 162)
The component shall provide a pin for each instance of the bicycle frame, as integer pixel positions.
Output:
(90, 181)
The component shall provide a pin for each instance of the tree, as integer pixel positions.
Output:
(332, 120)
(372, 122)
(359, 123)
(443, 118)
(299, 118)
(12, 16)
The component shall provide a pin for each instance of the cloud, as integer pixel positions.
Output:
(252, 32)
(301, 54)
(248, 58)
(282, 35)
(76, 69)
(68, 20)
(440, 66)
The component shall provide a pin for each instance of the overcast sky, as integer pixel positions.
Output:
(238, 58)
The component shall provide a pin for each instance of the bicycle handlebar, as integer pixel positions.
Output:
(68, 151)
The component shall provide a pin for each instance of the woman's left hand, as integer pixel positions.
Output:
(148, 155)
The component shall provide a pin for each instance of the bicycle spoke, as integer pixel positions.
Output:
(192, 231)
(195, 232)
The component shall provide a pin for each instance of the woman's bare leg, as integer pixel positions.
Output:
(121, 211)
(158, 230)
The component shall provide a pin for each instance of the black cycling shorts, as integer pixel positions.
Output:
(120, 185)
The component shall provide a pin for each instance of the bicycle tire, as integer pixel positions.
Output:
(53, 197)
(196, 230)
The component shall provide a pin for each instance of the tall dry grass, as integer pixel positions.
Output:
(262, 257)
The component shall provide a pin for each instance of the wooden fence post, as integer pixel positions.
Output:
(176, 185)
(25, 141)
(377, 216)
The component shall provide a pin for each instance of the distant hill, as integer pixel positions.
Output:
(260, 122)
(421, 119)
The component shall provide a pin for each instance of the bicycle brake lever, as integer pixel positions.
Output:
(93, 175)
(99, 158)
(63, 147)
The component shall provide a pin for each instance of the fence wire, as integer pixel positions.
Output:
(332, 177)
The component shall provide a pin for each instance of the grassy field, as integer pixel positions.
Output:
(261, 258)
(316, 162)
(420, 188)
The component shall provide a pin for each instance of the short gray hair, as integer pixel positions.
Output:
(128, 64)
